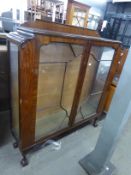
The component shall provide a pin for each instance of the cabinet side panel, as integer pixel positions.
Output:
(28, 92)
(14, 87)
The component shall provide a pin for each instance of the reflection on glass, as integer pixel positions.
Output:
(93, 22)
(96, 74)
(14, 87)
(58, 72)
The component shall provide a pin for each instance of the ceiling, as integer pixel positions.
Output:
(95, 3)
(121, 0)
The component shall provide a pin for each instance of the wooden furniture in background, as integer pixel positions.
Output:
(46, 9)
(77, 14)
(47, 25)
(58, 81)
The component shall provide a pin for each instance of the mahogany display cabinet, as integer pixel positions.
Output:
(58, 81)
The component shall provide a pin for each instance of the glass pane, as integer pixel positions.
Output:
(78, 21)
(96, 74)
(92, 24)
(79, 12)
(103, 68)
(83, 14)
(58, 72)
(81, 22)
(75, 13)
(14, 87)
(75, 21)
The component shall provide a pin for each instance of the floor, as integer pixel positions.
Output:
(65, 160)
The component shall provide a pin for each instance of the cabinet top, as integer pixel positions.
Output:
(33, 31)
(29, 31)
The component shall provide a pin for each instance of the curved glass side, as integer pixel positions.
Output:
(14, 87)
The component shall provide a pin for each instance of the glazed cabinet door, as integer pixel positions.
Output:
(99, 63)
(59, 65)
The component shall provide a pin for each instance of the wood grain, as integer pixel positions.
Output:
(40, 24)
(109, 98)
(109, 79)
(28, 75)
(80, 81)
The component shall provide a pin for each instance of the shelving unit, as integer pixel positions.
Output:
(51, 10)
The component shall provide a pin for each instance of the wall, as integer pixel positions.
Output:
(6, 5)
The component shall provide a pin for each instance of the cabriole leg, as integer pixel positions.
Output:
(24, 162)
(15, 144)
